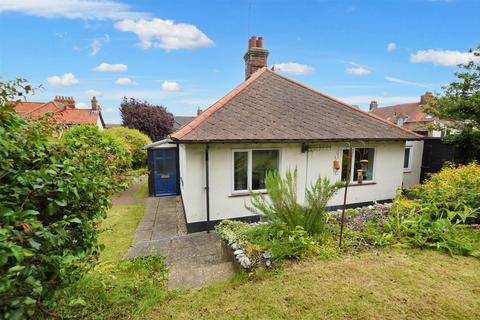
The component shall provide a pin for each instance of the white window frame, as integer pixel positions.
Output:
(352, 165)
(410, 158)
(249, 170)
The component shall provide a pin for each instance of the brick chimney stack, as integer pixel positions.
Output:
(95, 105)
(256, 56)
(373, 105)
(64, 101)
(426, 98)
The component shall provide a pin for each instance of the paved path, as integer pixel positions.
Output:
(194, 260)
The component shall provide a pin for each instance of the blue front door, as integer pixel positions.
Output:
(165, 170)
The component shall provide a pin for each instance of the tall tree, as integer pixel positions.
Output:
(153, 120)
(460, 105)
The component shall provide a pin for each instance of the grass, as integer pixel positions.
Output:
(142, 192)
(116, 289)
(389, 284)
(119, 231)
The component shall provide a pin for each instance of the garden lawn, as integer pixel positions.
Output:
(386, 284)
(116, 289)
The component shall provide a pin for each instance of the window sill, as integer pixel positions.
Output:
(246, 193)
(361, 184)
(407, 170)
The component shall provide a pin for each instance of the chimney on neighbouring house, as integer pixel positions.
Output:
(199, 111)
(63, 101)
(256, 56)
(373, 105)
(426, 98)
(95, 105)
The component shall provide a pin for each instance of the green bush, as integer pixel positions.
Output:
(134, 141)
(454, 192)
(53, 193)
(282, 206)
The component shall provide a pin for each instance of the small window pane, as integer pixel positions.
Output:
(363, 154)
(169, 153)
(169, 166)
(406, 160)
(160, 166)
(263, 161)
(240, 160)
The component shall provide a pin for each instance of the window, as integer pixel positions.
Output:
(250, 168)
(400, 121)
(407, 160)
(362, 158)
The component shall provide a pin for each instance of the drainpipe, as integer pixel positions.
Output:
(207, 188)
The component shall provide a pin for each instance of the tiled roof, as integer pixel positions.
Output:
(413, 112)
(180, 121)
(66, 115)
(271, 107)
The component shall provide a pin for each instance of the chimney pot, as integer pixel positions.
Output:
(260, 42)
(256, 56)
(373, 105)
(199, 111)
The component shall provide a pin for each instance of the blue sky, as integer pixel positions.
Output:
(187, 54)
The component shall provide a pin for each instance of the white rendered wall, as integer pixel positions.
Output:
(388, 174)
(412, 177)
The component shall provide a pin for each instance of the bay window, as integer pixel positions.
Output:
(250, 168)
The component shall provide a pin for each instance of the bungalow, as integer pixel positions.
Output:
(270, 122)
(63, 110)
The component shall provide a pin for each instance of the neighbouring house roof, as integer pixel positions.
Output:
(180, 121)
(412, 113)
(271, 107)
(66, 114)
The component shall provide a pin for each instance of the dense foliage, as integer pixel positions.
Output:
(438, 215)
(53, 192)
(134, 141)
(460, 104)
(153, 120)
(282, 207)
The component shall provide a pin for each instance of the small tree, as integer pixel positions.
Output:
(460, 104)
(153, 120)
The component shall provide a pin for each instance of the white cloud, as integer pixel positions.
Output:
(124, 81)
(357, 70)
(72, 9)
(97, 44)
(107, 67)
(382, 100)
(109, 110)
(392, 46)
(443, 57)
(93, 92)
(294, 68)
(68, 79)
(409, 83)
(171, 86)
(165, 34)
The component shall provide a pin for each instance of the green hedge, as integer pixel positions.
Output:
(134, 141)
(53, 193)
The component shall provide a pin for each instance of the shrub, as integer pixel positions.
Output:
(53, 193)
(454, 192)
(282, 206)
(134, 141)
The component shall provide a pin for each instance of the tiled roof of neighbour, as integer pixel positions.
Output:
(66, 115)
(413, 111)
(180, 121)
(271, 107)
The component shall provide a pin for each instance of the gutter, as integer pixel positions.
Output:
(293, 140)
(157, 143)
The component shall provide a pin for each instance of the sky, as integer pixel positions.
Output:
(186, 55)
